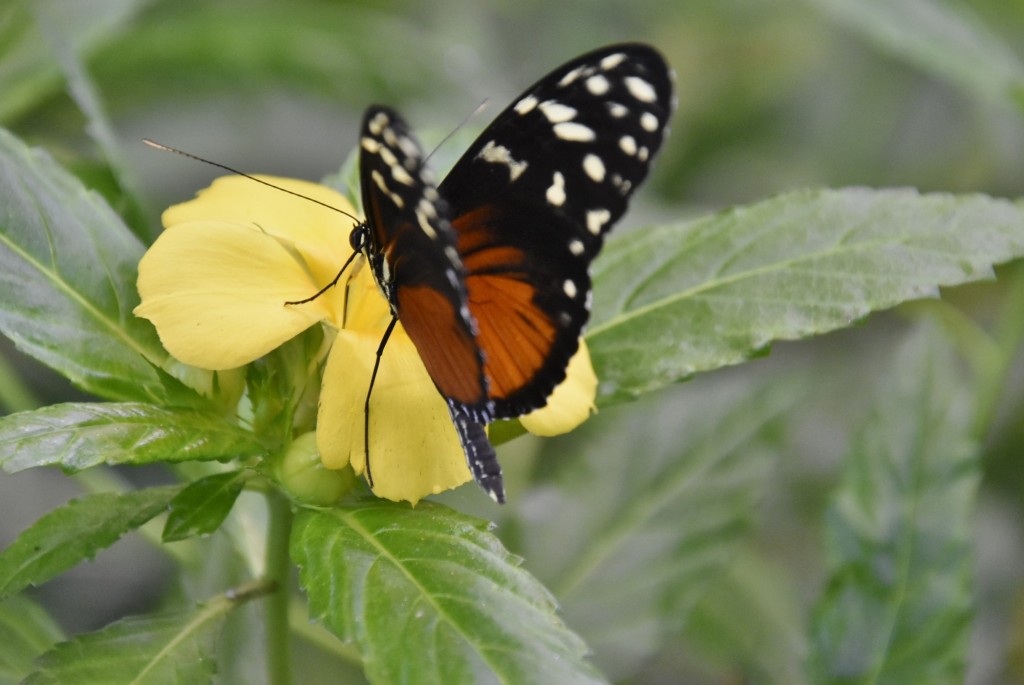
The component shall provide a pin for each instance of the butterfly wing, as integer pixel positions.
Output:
(531, 201)
(414, 259)
(411, 250)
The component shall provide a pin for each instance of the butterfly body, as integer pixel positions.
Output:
(489, 272)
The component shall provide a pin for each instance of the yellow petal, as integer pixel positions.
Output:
(414, 450)
(572, 401)
(319, 233)
(216, 291)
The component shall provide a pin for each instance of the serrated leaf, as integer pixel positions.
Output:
(67, 282)
(176, 647)
(630, 527)
(675, 300)
(898, 601)
(75, 532)
(751, 620)
(80, 435)
(944, 38)
(428, 595)
(26, 631)
(202, 506)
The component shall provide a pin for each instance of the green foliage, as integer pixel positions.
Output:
(652, 526)
(67, 269)
(26, 631)
(82, 435)
(732, 528)
(75, 532)
(202, 506)
(164, 648)
(675, 300)
(897, 607)
(429, 595)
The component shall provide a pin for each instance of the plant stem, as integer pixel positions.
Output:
(278, 570)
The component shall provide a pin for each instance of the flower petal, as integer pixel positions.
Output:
(319, 233)
(216, 293)
(572, 401)
(414, 450)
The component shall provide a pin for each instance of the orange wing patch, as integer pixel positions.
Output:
(514, 334)
(445, 346)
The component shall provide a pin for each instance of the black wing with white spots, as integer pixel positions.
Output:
(532, 199)
(411, 249)
(410, 246)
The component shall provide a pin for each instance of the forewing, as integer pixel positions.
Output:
(532, 199)
(413, 255)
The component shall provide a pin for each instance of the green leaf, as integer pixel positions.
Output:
(940, 37)
(26, 631)
(175, 647)
(428, 595)
(67, 282)
(675, 300)
(202, 506)
(77, 436)
(28, 74)
(75, 532)
(898, 602)
(752, 621)
(57, 26)
(632, 525)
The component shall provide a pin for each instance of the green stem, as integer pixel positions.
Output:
(1008, 334)
(278, 570)
(15, 395)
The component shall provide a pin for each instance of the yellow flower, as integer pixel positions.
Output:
(215, 285)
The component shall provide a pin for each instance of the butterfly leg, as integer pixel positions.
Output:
(369, 391)
(480, 456)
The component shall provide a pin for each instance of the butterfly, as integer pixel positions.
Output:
(489, 271)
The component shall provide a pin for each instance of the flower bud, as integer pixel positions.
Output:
(304, 477)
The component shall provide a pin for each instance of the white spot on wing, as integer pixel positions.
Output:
(596, 219)
(401, 175)
(556, 112)
(598, 85)
(649, 122)
(575, 132)
(424, 222)
(525, 105)
(409, 147)
(576, 247)
(617, 109)
(570, 77)
(556, 191)
(594, 167)
(428, 209)
(628, 145)
(612, 61)
(569, 288)
(388, 156)
(640, 89)
(499, 154)
(371, 145)
(377, 123)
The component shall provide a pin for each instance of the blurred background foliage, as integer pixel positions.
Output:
(773, 95)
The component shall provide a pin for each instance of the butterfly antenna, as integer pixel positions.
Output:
(479, 108)
(167, 148)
